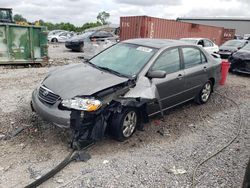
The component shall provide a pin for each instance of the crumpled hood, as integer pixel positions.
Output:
(80, 79)
(242, 54)
(229, 48)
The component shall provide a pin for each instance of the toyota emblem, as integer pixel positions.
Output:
(45, 93)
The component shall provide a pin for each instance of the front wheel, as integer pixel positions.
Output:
(205, 93)
(123, 124)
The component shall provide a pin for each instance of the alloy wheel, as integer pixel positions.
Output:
(206, 91)
(129, 123)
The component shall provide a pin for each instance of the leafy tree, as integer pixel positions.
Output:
(103, 17)
(19, 18)
(90, 25)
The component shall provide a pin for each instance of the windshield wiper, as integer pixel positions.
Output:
(92, 64)
(113, 71)
(106, 69)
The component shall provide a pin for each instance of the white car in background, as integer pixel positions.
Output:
(246, 37)
(60, 37)
(207, 44)
(53, 32)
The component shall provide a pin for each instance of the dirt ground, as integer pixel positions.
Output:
(151, 158)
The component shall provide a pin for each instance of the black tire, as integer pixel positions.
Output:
(54, 40)
(117, 124)
(246, 182)
(80, 49)
(205, 93)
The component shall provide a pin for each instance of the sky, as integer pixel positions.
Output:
(79, 12)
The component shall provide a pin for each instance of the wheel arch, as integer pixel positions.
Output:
(212, 80)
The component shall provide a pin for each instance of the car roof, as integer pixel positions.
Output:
(241, 40)
(155, 43)
(195, 38)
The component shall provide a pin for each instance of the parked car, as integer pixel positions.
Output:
(76, 43)
(230, 47)
(207, 44)
(53, 32)
(238, 37)
(246, 37)
(60, 36)
(122, 86)
(240, 60)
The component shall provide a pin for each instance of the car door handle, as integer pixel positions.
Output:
(205, 68)
(180, 76)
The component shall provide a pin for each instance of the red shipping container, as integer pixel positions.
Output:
(150, 27)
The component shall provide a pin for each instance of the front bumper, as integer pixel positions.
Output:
(73, 45)
(240, 66)
(51, 113)
(224, 55)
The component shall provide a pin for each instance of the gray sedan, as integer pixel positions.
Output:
(118, 89)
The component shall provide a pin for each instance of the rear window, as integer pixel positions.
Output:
(236, 43)
(191, 41)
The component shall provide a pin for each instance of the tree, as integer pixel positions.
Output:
(19, 18)
(90, 25)
(103, 17)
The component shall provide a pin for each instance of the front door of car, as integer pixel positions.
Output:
(209, 46)
(62, 37)
(196, 70)
(171, 87)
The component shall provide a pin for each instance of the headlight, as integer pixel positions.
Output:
(82, 104)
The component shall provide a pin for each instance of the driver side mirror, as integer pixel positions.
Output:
(156, 74)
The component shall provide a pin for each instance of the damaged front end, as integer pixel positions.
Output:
(240, 62)
(89, 126)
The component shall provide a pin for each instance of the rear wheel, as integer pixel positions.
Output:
(123, 124)
(205, 93)
(54, 40)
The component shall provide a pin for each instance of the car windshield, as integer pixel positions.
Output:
(247, 47)
(126, 59)
(192, 41)
(235, 43)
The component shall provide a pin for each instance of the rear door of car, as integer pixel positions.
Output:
(171, 87)
(196, 70)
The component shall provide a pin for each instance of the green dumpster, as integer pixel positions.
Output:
(23, 44)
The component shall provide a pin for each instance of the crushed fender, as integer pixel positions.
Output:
(91, 126)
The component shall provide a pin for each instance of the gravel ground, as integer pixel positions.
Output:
(151, 158)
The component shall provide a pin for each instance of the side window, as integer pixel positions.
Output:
(63, 34)
(168, 61)
(109, 34)
(102, 34)
(208, 43)
(201, 42)
(96, 35)
(192, 57)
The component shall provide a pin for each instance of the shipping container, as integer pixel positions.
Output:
(23, 44)
(150, 27)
